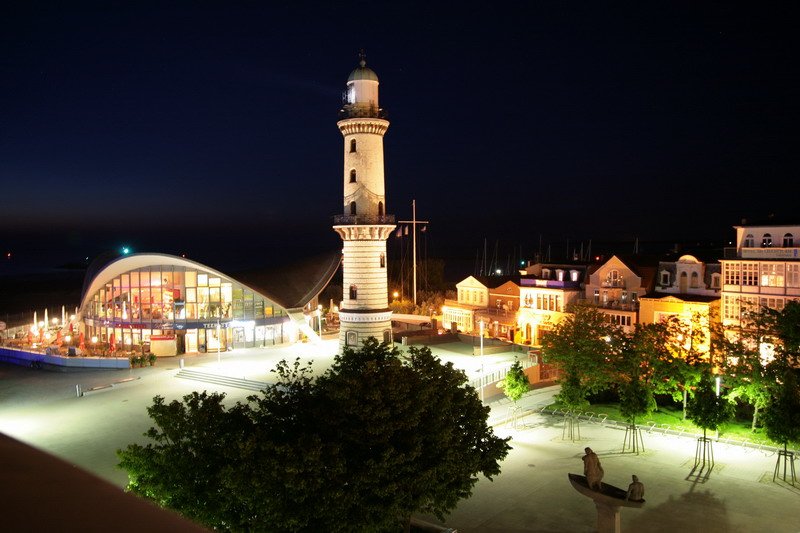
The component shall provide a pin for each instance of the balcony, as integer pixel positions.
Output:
(362, 112)
(362, 220)
(613, 283)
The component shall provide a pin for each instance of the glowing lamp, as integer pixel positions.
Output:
(94, 339)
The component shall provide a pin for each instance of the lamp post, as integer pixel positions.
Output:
(319, 320)
(482, 384)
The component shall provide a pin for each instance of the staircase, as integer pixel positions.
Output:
(225, 381)
(299, 320)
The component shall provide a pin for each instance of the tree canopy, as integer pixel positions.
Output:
(707, 410)
(374, 439)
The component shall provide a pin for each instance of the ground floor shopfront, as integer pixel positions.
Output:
(173, 339)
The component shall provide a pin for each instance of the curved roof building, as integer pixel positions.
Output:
(178, 305)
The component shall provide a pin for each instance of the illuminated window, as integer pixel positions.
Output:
(749, 241)
(766, 241)
(574, 275)
(750, 274)
(352, 145)
(597, 296)
(788, 240)
(560, 275)
(793, 275)
(353, 176)
(353, 292)
(731, 273)
(772, 274)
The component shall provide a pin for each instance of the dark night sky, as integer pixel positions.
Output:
(210, 128)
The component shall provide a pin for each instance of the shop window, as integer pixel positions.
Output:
(352, 145)
(353, 292)
(383, 260)
(766, 241)
(788, 240)
(352, 208)
(353, 176)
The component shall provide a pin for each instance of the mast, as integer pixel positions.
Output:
(414, 223)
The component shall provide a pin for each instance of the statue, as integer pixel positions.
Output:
(635, 490)
(592, 469)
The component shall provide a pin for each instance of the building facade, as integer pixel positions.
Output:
(615, 287)
(763, 270)
(178, 306)
(364, 225)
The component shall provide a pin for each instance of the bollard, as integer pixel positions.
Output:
(181, 362)
(78, 390)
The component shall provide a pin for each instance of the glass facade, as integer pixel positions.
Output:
(197, 309)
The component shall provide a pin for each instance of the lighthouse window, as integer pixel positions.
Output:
(351, 339)
(352, 145)
(353, 176)
(380, 209)
(353, 292)
(352, 208)
(383, 260)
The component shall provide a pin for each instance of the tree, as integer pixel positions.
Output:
(688, 342)
(641, 356)
(516, 383)
(374, 439)
(582, 345)
(707, 410)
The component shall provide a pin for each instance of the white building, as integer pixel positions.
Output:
(763, 270)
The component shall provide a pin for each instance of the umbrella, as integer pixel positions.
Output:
(81, 341)
(112, 341)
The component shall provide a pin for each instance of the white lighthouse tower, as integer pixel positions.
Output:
(364, 225)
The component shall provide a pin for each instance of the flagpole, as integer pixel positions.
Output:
(414, 223)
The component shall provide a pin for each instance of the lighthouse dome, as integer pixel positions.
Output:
(362, 72)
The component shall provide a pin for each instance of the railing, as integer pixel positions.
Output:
(355, 220)
(618, 283)
(362, 112)
(497, 375)
(652, 427)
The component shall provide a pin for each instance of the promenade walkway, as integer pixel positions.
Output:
(532, 494)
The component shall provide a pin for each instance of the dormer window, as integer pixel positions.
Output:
(665, 278)
(573, 274)
(788, 240)
(749, 241)
(766, 241)
(715, 281)
(352, 146)
(545, 273)
(560, 275)
(353, 176)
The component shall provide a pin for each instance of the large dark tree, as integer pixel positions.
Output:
(373, 440)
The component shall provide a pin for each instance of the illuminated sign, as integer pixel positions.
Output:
(771, 253)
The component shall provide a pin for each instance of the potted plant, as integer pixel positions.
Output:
(152, 358)
(134, 360)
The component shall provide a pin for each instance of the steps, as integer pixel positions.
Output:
(225, 381)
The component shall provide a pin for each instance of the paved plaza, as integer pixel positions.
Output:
(532, 494)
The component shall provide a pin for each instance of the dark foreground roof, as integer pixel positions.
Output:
(43, 493)
(293, 285)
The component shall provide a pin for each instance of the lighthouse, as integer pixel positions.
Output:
(363, 225)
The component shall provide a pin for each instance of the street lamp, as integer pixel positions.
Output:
(219, 343)
(319, 320)
(482, 384)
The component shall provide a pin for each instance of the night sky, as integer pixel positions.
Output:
(210, 128)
